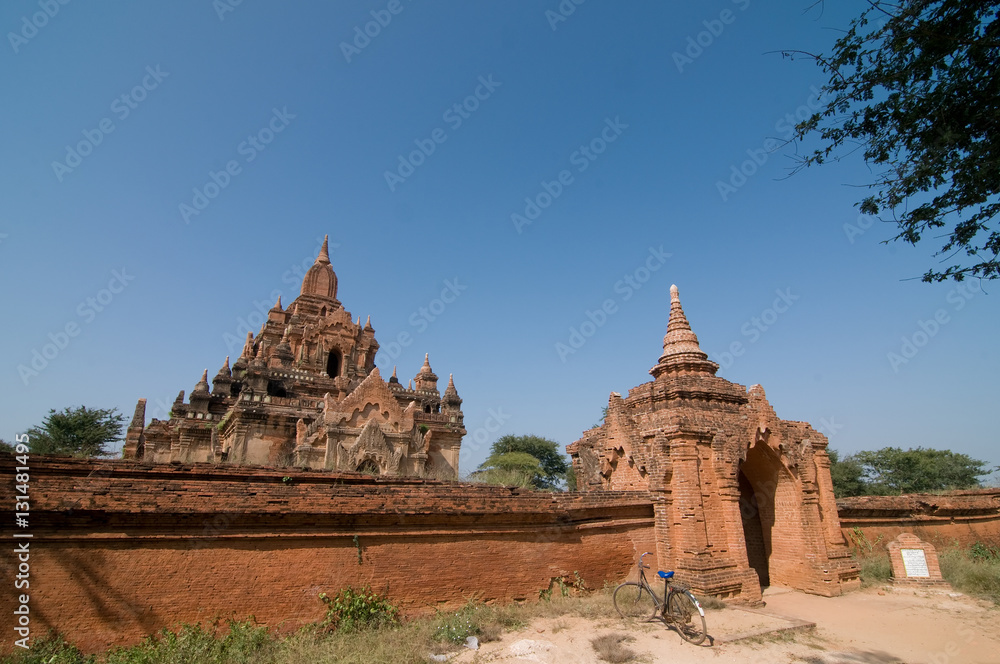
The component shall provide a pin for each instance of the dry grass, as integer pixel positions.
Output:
(875, 569)
(411, 641)
(710, 602)
(610, 649)
(974, 572)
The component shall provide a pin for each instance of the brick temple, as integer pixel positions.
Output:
(742, 499)
(305, 392)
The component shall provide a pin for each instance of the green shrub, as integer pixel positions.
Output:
(456, 627)
(51, 649)
(243, 643)
(974, 572)
(980, 552)
(352, 610)
(876, 569)
(476, 619)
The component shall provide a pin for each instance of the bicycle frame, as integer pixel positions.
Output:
(678, 606)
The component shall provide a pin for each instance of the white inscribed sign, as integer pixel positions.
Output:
(914, 562)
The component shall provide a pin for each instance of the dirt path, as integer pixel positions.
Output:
(874, 626)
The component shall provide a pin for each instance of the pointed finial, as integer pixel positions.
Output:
(368, 324)
(226, 364)
(427, 360)
(451, 394)
(681, 351)
(202, 386)
(324, 253)
(277, 305)
(678, 321)
(410, 385)
(394, 371)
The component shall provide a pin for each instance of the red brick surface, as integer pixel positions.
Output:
(960, 517)
(122, 549)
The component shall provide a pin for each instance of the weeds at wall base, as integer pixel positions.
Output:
(974, 571)
(400, 642)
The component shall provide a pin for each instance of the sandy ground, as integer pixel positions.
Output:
(872, 626)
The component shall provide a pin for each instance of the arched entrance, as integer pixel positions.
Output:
(753, 532)
(333, 364)
(771, 512)
(368, 467)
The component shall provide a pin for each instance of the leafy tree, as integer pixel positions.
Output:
(547, 452)
(77, 432)
(847, 476)
(5, 447)
(570, 478)
(511, 468)
(914, 85)
(891, 471)
(533, 459)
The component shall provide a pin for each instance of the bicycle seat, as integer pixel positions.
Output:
(666, 575)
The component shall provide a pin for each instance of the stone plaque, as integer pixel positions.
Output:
(914, 562)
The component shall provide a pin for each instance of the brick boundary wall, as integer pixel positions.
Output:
(121, 549)
(962, 517)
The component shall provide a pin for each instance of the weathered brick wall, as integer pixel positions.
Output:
(121, 549)
(964, 517)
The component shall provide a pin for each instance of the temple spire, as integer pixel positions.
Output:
(450, 397)
(320, 279)
(202, 386)
(324, 252)
(681, 351)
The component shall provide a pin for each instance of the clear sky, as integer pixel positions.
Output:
(168, 166)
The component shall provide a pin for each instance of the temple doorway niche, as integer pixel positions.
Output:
(368, 467)
(770, 500)
(753, 532)
(333, 364)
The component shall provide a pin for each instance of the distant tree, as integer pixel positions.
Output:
(604, 417)
(847, 476)
(570, 478)
(914, 86)
(892, 470)
(5, 447)
(510, 469)
(77, 432)
(532, 459)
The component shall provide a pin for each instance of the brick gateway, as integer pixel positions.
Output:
(122, 549)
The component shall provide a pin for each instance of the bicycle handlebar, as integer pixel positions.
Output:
(648, 553)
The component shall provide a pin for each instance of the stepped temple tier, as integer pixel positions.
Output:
(742, 499)
(305, 392)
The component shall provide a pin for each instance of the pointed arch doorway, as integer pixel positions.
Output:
(771, 513)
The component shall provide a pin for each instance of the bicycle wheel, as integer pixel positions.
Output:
(687, 616)
(634, 601)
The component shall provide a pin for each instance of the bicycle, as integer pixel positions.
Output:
(679, 607)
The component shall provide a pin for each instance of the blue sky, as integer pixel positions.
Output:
(191, 156)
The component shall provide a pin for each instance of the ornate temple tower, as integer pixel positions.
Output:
(742, 499)
(305, 392)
